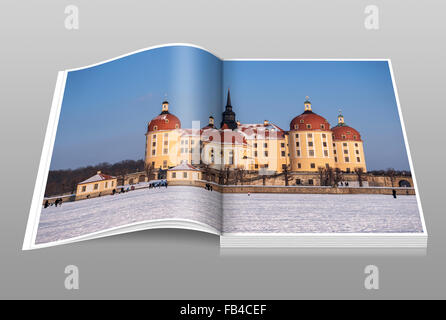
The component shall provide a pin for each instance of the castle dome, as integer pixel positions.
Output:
(345, 133)
(309, 120)
(164, 121)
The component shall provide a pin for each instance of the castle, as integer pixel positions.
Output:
(309, 144)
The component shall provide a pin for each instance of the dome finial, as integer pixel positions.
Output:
(340, 117)
(307, 104)
(165, 105)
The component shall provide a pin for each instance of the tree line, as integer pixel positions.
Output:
(65, 181)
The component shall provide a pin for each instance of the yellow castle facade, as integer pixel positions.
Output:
(309, 144)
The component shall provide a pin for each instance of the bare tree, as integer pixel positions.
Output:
(337, 177)
(221, 177)
(206, 172)
(149, 168)
(329, 176)
(286, 174)
(240, 174)
(322, 174)
(391, 174)
(359, 173)
(227, 175)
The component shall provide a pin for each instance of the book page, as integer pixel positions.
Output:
(324, 150)
(123, 148)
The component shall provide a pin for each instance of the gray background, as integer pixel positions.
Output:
(182, 264)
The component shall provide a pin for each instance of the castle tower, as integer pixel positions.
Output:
(161, 139)
(348, 147)
(228, 121)
(310, 141)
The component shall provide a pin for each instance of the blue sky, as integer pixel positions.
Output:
(106, 109)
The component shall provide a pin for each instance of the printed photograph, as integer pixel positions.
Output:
(175, 137)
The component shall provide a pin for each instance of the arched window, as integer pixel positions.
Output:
(155, 127)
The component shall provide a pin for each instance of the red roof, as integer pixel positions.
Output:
(98, 177)
(345, 133)
(261, 131)
(164, 121)
(224, 136)
(315, 121)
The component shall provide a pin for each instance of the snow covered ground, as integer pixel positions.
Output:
(86, 216)
(320, 213)
(286, 213)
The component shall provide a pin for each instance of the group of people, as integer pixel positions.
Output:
(57, 202)
(123, 190)
(343, 184)
(208, 186)
(158, 184)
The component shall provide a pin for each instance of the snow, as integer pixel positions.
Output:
(320, 213)
(97, 177)
(82, 217)
(259, 212)
(184, 166)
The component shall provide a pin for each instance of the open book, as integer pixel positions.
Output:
(263, 153)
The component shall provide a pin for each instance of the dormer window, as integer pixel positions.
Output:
(296, 126)
(155, 127)
(301, 121)
(308, 126)
(167, 120)
(322, 126)
(343, 136)
(177, 126)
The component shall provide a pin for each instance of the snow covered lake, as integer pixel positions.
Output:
(320, 213)
(259, 212)
(86, 216)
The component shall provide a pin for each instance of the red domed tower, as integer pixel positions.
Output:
(349, 150)
(310, 141)
(164, 121)
(161, 139)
